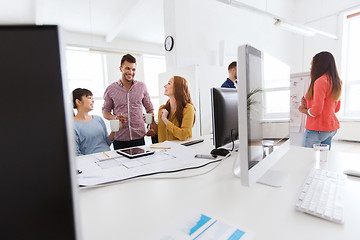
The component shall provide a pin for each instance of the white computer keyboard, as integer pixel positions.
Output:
(322, 195)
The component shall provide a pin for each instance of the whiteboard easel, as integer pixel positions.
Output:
(299, 85)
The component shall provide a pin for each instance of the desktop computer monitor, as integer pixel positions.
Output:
(38, 179)
(224, 116)
(263, 115)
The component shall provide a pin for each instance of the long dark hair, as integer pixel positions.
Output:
(182, 97)
(322, 63)
(78, 93)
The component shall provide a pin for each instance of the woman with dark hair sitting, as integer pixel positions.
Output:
(177, 116)
(90, 130)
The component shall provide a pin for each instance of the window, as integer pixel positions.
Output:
(153, 65)
(276, 90)
(87, 70)
(351, 74)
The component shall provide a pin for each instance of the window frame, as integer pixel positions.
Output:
(346, 112)
(97, 97)
(279, 116)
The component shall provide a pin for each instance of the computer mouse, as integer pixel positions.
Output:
(219, 152)
(353, 173)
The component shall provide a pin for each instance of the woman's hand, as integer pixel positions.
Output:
(303, 109)
(112, 136)
(164, 115)
(303, 102)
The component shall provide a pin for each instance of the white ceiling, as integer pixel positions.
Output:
(140, 20)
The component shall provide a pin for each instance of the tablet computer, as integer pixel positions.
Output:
(134, 152)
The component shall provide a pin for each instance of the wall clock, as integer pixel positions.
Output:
(169, 43)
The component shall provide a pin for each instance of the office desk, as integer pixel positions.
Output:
(134, 209)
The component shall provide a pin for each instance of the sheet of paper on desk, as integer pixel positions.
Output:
(196, 225)
(106, 155)
(97, 170)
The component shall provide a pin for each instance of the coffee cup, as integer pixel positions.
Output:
(114, 125)
(148, 118)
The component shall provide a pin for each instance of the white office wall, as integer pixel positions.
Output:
(208, 33)
(206, 30)
(349, 130)
(208, 77)
(327, 16)
(275, 129)
(118, 44)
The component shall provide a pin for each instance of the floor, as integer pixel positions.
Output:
(345, 146)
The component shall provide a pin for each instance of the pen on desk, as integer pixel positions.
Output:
(106, 154)
(160, 147)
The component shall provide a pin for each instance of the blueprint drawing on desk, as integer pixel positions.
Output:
(108, 167)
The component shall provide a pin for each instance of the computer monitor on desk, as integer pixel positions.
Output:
(224, 117)
(36, 171)
(263, 93)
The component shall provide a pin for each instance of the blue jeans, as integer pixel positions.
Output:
(316, 137)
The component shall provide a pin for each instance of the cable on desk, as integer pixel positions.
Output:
(168, 171)
(218, 160)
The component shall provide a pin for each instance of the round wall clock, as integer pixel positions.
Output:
(169, 43)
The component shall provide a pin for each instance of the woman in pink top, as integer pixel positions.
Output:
(321, 101)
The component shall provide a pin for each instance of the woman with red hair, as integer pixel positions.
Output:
(177, 116)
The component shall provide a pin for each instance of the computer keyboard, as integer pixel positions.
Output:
(322, 195)
(252, 163)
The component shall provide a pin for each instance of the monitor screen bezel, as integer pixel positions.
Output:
(241, 166)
